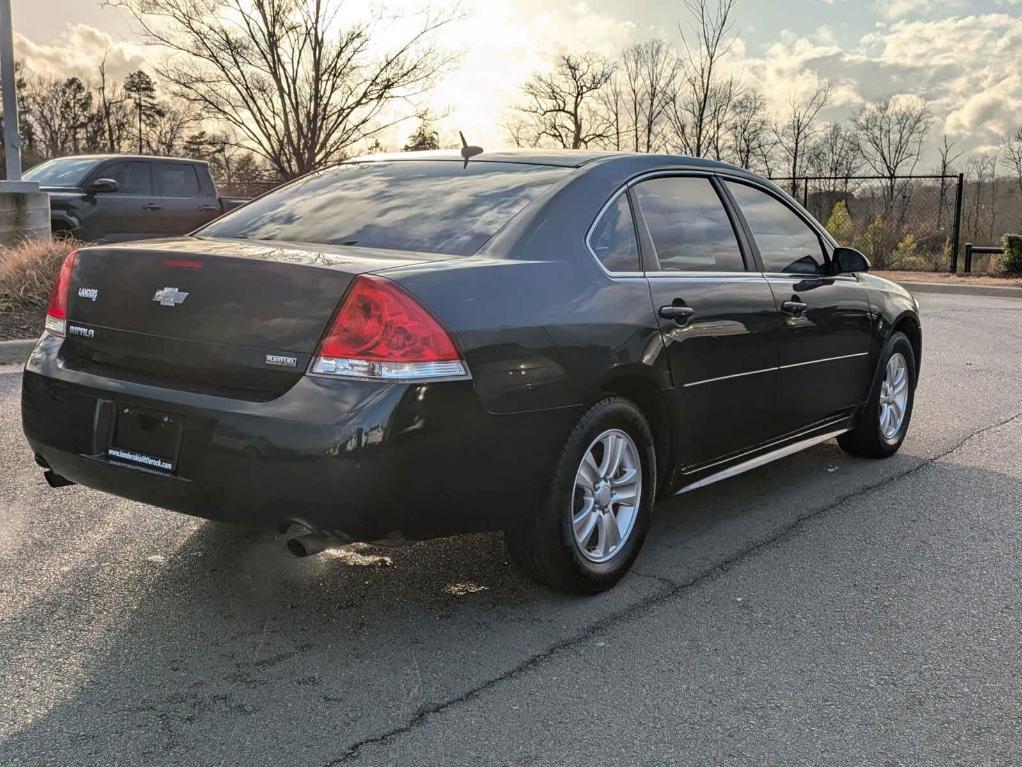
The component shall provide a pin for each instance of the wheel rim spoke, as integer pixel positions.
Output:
(584, 521)
(608, 492)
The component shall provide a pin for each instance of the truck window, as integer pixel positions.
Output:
(177, 180)
(132, 177)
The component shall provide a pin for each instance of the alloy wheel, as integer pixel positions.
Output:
(893, 397)
(607, 495)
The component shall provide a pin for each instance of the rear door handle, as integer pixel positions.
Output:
(151, 206)
(796, 308)
(679, 314)
(208, 208)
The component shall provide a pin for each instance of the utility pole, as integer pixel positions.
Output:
(24, 210)
(12, 141)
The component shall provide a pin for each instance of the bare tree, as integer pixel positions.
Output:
(947, 160)
(1012, 152)
(166, 132)
(650, 71)
(113, 112)
(796, 132)
(704, 94)
(836, 155)
(748, 131)
(892, 131)
(562, 107)
(62, 114)
(612, 102)
(296, 84)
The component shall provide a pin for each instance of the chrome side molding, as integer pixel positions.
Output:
(762, 460)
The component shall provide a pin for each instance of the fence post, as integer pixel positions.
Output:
(957, 230)
(968, 258)
(805, 193)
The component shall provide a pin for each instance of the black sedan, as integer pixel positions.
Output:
(416, 345)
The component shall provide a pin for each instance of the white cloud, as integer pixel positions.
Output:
(79, 51)
(896, 9)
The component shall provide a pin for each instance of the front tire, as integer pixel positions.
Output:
(883, 422)
(588, 532)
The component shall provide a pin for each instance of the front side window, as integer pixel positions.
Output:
(690, 229)
(433, 206)
(613, 238)
(131, 177)
(177, 180)
(786, 242)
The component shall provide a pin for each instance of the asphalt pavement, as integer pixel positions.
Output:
(822, 610)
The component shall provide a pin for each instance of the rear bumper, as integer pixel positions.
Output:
(361, 459)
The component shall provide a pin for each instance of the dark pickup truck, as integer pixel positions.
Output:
(112, 198)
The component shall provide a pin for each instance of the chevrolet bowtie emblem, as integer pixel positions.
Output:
(169, 296)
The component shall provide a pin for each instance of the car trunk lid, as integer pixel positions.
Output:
(227, 317)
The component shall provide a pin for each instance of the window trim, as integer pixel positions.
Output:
(750, 257)
(623, 191)
(826, 246)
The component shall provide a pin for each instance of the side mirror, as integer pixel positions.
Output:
(850, 261)
(102, 185)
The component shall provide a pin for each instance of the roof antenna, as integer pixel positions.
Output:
(468, 151)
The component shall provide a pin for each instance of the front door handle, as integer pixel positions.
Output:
(796, 308)
(151, 206)
(679, 314)
(208, 208)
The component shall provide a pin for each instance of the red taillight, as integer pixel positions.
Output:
(382, 332)
(56, 312)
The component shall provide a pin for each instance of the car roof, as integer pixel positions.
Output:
(114, 156)
(567, 158)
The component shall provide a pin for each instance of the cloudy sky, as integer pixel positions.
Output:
(963, 57)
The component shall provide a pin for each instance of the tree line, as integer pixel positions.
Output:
(278, 88)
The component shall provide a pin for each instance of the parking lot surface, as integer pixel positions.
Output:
(824, 609)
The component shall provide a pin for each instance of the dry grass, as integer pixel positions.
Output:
(27, 272)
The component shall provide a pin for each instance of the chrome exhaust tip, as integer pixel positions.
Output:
(307, 545)
(303, 541)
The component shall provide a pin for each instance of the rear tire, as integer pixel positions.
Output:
(587, 533)
(883, 421)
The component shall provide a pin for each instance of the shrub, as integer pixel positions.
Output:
(906, 254)
(1011, 261)
(28, 270)
(840, 223)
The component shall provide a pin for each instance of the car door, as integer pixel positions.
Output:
(130, 213)
(826, 329)
(185, 205)
(717, 317)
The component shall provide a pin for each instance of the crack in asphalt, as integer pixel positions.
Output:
(671, 590)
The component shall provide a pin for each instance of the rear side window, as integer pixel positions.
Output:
(131, 177)
(690, 229)
(175, 180)
(613, 239)
(435, 206)
(786, 242)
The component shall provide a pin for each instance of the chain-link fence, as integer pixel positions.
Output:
(247, 189)
(899, 222)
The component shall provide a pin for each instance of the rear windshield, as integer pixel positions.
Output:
(435, 206)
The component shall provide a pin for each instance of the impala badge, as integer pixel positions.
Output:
(281, 360)
(169, 297)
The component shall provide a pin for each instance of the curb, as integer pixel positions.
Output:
(968, 290)
(16, 351)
